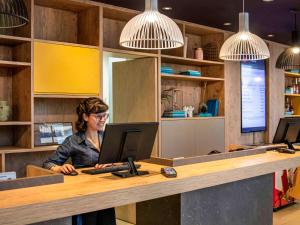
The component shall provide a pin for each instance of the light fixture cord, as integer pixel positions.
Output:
(151, 5)
(243, 6)
(295, 17)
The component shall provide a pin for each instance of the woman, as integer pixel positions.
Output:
(83, 148)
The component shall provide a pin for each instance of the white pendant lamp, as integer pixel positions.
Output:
(244, 46)
(290, 58)
(151, 30)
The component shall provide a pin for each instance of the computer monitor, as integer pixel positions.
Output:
(128, 142)
(288, 131)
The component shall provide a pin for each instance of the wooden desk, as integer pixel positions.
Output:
(85, 193)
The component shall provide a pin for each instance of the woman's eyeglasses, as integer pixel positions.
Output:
(100, 116)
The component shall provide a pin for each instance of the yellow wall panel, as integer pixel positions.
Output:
(63, 69)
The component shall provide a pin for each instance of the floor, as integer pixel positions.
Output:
(287, 216)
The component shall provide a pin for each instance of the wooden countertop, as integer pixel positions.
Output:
(84, 193)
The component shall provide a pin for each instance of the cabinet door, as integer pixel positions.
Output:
(188, 138)
(64, 69)
(134, 90)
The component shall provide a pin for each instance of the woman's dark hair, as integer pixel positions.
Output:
(89, 106)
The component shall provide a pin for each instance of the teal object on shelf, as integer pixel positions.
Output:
(191, 73)
(213, 106)
(166, 69)
(205, 114)
(174, 114)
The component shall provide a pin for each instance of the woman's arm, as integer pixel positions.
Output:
(56, 161)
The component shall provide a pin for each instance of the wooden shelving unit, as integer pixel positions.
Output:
(188, 61)
(63, 96)
(67, 43)
(12, 40)
(14, 123)
(292, 95)
(92, 25)
(190, 78)
(288, 74)
(294, 99)
(192, 118)
(13, 64)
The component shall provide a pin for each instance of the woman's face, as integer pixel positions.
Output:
(96, 121)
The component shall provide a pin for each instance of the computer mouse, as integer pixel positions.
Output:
(73, 173)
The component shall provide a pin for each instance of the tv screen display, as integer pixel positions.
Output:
(253, 96)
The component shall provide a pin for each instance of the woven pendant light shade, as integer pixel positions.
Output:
(290, 58)
(244, 45)
(13, 13)
(151, 30)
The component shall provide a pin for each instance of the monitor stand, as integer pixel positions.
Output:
(290, 145)
(131, 172)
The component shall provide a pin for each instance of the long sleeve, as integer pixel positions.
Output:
(60, 156)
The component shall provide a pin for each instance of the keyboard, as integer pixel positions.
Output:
(109, 169)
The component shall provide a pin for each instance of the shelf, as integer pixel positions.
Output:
(13, 64)
(292, 115)
(292, 95)
(193, 118)
(12, 40)
(14, 149)
(45, 148)
(14, 123)
(288, 74)
(189, 61)
(66, 43)
(129, 52)
(190, 78)
(62, 96)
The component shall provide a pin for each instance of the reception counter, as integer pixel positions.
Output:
(85, 193)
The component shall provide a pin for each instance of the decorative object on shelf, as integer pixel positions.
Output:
(51, 133)
(174, 99)
(290, 58)
(186, 39)
(244, 45)
(198, 53)
(211, 51)
(289, 109)
(13, 13)
(151, 30)
(189, 110)
(203, 105)
(4, 111)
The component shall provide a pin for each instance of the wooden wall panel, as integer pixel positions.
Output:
(55, 24)
(134, 90)
(6, 136)
(111, 32)
(233, 133)
(6, 85)
(21, 96)
(275, 99)
(276, 91)
(18, 162)
(55, 110)
(88, 26)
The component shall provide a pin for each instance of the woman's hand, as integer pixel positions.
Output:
(65, 169)
(100, 166)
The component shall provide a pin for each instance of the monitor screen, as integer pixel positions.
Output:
(253, 96)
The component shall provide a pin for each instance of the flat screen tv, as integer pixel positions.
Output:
(253, 96)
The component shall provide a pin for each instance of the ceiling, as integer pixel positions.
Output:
(265, 17)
